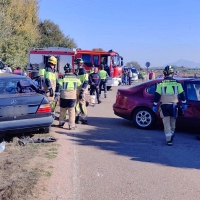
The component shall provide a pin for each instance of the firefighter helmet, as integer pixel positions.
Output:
(67, 68)
(78, 61)
(168, 70)
(52, 60)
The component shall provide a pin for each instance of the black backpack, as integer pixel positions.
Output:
(25, 86)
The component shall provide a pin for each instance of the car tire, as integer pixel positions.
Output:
(108, 87)
(143, 118)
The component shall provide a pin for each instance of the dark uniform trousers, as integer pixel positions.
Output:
(93, 89)
(103, 83)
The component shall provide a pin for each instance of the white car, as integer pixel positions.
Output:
(135, 74)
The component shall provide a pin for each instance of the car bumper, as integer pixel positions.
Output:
(113, 81)
(122, 112)
(26, 124)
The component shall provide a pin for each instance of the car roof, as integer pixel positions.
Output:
(159, 80)
(8, 75)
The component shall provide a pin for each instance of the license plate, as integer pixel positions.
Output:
(13, 111)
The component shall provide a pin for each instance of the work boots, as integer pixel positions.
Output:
(72, 127)
(78, 120)
(61, 124)
(84, 121)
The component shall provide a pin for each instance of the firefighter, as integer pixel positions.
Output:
(49, 76)
(66, 88)
(94, 81)
(81, 110)
(103, 76)
(167, 92)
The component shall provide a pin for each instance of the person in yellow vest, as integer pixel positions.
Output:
(103, 77)
(66, 89)
(81, 110)
(167, 92)
(49, 76)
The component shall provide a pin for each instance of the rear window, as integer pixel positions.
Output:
(9, 86)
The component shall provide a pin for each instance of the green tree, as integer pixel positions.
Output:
(18, 30)
(51, 35)
(133, 64)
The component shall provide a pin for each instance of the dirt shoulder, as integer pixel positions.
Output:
(23, 166)
(60, 185)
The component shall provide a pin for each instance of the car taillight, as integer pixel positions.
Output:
(44, 108)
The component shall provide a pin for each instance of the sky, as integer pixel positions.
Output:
(157, 31)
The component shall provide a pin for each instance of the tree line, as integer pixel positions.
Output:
(21, 29)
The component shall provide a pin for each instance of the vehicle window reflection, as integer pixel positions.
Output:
(151, 89)
(8, 87)
(193, 91)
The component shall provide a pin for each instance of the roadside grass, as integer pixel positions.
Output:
(22, 166)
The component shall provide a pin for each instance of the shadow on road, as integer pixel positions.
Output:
(120, 137)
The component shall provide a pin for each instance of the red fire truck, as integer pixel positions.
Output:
(112, 61)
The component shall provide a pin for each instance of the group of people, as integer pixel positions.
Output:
(8, 69)
(71, 89)
(150, 75)
(127, 77)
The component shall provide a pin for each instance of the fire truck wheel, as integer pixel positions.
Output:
(108, 87)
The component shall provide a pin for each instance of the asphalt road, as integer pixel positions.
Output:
(113, 160)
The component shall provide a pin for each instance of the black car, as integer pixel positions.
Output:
(21, 112)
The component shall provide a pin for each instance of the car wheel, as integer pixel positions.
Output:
(108, 87)
(143, 118)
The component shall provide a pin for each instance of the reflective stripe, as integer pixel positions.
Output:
(163, 90)
(64, 85)
(175, 90)
(168, 134)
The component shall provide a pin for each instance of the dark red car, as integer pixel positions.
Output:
(135, 104)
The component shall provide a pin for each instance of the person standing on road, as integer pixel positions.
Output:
(130, 75)
(94, 81)
(66, 88)
(143, 73)
(103, 76)
(48, 78)
(167, 92)
(151, 74)
(81, 110)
